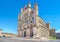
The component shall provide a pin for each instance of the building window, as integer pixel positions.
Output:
(27, 21)
(32, 18)
(28, 27)
(24, 28)
(31, 22)
(35, 25)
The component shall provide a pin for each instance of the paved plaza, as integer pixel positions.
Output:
(25, 40)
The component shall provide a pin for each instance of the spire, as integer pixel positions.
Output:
(29, 4)
(35, 3)
(35, 6)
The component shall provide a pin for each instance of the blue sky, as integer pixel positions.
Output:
(49, 11)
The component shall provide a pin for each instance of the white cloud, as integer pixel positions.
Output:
(58, 31)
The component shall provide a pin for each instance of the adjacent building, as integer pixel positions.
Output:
(4, 34)
(57, 35)
(30, 24)
(0, 32)
(52, 32)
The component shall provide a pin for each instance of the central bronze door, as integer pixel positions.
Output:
(24, 33)
(31, 32)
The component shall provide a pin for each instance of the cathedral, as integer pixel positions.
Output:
(30, 24)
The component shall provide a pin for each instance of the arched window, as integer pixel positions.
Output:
(31, 22)
(24, 28)
(32, 18)
(28, 27)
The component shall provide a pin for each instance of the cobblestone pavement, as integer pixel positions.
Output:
(25, 40)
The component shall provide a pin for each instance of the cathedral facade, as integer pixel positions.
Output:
(30, 24)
